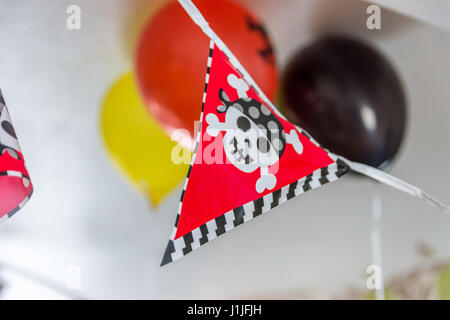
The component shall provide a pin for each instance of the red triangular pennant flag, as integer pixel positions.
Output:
(248, 159)
(15, 184)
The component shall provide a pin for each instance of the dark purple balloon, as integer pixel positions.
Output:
(348, 97)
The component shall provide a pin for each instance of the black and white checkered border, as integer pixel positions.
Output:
(197, 140)
(2, 100)
(180, 247)
(16, 174)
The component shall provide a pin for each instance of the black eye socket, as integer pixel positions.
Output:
(263, 145)
(243, 123)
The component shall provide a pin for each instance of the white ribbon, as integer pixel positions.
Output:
(395, 183)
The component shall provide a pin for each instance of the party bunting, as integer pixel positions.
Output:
(15, 183)
(248, 158)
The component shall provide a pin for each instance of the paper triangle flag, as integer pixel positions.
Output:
(248, 160)
(15, 184)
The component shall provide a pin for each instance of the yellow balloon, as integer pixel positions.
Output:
(137, 144)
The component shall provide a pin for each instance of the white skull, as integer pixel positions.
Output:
(254, 138)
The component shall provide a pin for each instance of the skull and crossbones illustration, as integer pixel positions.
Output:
(254, 137)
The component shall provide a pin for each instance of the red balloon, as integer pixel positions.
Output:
(172, 53)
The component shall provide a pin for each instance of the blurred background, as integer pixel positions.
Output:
(88, 233)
